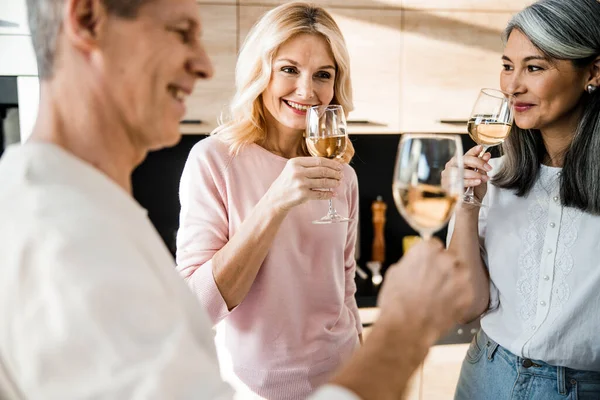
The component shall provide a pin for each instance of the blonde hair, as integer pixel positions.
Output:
(245, 122)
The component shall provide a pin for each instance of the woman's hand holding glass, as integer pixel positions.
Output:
(304, 179)
(475, 171)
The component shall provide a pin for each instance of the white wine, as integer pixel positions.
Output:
(487, 132)
(426, 208)
(327, 146)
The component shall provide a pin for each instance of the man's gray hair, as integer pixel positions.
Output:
(45, 24)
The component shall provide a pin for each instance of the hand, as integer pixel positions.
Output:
(428, 291)
(304, 179)
(476, 179)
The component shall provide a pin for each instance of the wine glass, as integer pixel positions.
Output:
(425, 200)
(326, 137)
(489, 125)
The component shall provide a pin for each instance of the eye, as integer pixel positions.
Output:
(323, 75)
(507, 67)
(289, 70)
(184, 34)
(534, 68)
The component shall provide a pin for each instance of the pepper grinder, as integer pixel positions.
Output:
(378, 209)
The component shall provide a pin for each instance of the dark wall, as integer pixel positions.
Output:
(156, 182)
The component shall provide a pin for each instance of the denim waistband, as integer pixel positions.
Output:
(535, 367)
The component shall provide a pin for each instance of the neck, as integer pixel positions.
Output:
(283, 141)
(77, 119)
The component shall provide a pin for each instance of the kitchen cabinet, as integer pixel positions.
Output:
(371, 4)
(470, 5)
(210, 97)
(374, 40)
(446, 58)
(13, 18)
(17, 56)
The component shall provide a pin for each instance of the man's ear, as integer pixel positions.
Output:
(83, 20)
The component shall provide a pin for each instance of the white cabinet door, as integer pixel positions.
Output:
(13, 17)
(210, 97)
(447, 57)
(467, 5)
(17, 56)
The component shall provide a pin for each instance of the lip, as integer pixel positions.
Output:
(294, 110)
(522, 107)
(179, 104)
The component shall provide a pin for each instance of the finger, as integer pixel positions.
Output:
(470, 174)
(472, 182)
(476, 162)
(474, 151)
(318, 162)
(451, 163)
(323, 172)
(323, 183)
(486, 157)
(320, 195)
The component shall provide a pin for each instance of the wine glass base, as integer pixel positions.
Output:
(472, 201)
(331, 219)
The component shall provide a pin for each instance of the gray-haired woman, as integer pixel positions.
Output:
(534, 245)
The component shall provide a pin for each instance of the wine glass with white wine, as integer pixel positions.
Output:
(326, 137)
(489, 125)
(425, 200)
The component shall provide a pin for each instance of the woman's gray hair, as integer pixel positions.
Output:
(45, 23)
(562, 30)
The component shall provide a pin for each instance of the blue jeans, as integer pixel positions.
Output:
(490, 372)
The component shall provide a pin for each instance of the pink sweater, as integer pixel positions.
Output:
(299, 322)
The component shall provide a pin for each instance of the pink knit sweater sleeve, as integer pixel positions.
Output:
(203, 224)
(350, 261)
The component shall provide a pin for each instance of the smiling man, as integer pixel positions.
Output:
(91, 306)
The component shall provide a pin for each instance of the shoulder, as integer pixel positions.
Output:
(210, 150)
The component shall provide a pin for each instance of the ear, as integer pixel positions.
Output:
(83, 21)
(594, 78)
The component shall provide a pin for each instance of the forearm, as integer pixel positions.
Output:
(465, 245)
(236, 265)
(382, 367)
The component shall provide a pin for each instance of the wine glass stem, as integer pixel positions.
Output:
(332, 211)
(426, 236)
(471, 190)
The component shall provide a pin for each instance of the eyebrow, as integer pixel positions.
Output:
(529, 58)
(294, 63)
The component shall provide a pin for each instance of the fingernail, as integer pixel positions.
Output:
(487, 167)
(485, 178)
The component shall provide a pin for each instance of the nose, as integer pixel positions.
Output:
(512, 83)
(199, 64)
(304, 88)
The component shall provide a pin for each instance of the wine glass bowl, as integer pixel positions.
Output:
(489, 125)
(424, 197)
(326, 136)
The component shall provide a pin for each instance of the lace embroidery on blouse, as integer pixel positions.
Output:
(533, 236)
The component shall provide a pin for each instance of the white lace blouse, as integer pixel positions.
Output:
(544, 263)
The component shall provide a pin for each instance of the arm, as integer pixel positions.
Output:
(464, 232)
(349, 251)
(222, 269)
(421, 298)
(465, 244)
(97, 322)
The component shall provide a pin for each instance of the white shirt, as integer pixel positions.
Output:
(91, 306)
(544, 265)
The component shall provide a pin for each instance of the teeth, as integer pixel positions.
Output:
(178, 94)
(297, 106)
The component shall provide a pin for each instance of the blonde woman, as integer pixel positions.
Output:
(280, 289)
